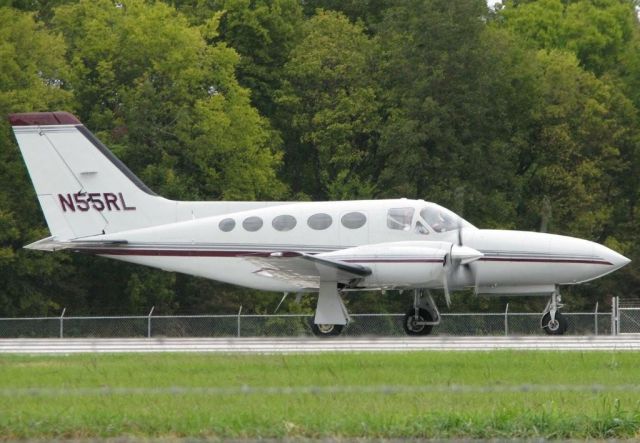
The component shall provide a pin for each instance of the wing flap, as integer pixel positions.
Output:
(305, 270)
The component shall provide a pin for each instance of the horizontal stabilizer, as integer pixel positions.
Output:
(51, 244)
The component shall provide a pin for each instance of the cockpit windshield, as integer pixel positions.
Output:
(441, 219)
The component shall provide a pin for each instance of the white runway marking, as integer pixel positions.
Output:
(306, 345)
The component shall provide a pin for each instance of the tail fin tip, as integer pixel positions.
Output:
(43, 119)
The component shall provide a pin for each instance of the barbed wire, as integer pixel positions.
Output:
(314, 390)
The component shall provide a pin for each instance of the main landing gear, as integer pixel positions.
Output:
(326, 330)
(422, 316)
(331, 314)
(553, 322)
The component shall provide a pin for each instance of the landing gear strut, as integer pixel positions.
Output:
(331, 314)
(422, 316)
(553, 322)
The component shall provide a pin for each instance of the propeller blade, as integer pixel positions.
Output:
(445, 286)
(284, 296)
(446, 270)
(476, 283)
(471, 269)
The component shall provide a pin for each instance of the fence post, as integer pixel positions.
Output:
(614, 315)
(506, 320)
(239, 312)
(149, 322)
(596, 318)
(62, 323)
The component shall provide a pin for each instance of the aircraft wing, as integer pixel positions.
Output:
(305, 270)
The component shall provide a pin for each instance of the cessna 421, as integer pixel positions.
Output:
(94, 204)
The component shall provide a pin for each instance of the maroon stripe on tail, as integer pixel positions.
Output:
(43, 119)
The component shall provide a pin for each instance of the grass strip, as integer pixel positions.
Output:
(461, 394)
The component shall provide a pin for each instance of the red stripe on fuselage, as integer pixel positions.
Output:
(548, 260)
(400, 260)
(175, 253)
(220, 253)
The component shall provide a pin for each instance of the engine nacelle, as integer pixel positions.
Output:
(398, 264)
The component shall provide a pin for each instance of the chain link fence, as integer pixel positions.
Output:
(629, 321)
(290, 325)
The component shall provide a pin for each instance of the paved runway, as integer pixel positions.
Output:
(305, 345)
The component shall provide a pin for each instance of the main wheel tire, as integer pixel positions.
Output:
(410, 326)
(557, 327)
(326, 330)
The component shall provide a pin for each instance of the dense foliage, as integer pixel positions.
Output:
(521, 116)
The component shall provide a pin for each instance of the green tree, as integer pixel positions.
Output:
(330, 101)
(453, 109)
(264, 33)
(597, 31)
(579, 146)
(370, 12)
(32, 75)
(167, 101)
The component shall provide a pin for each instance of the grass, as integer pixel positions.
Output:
(159, 395)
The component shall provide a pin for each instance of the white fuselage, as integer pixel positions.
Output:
(220, 247)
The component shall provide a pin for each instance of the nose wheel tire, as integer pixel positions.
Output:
(554, 327)
(411, 323)
(326, 330)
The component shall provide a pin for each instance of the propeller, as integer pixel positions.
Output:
(459, 259)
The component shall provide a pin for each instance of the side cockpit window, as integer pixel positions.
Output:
(400, 218)
(421, 229)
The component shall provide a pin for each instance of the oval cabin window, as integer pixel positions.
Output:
(252, 224)
(227, 224)
(353, 220)
(284, 223)
(319, 221)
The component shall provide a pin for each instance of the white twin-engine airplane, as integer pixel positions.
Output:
(94, 204)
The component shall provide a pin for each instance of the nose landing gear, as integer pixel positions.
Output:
(553, 322)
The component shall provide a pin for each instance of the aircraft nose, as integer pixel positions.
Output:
(617, 260)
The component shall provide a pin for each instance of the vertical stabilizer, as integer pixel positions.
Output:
(83, 189)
